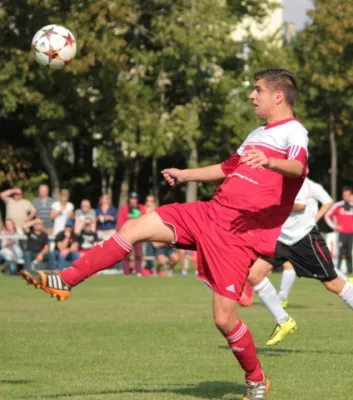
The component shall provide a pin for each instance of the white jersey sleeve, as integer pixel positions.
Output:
(297, 142)
(318, 193)
(302, 195)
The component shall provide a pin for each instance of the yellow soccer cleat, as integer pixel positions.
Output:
(281, 331)
(256, 390)
(284, 303)
(49, 281)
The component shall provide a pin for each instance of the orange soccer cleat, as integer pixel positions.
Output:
(49, 281)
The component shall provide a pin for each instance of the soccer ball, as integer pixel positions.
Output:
(54, 46)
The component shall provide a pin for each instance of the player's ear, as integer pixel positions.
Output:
(279, 96)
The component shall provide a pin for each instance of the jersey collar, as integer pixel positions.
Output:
(282, 122)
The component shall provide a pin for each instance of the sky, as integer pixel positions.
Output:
(295, 11)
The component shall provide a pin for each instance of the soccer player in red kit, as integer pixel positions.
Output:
(242, 220)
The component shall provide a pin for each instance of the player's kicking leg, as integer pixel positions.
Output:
(288, 278)
(242, 345)
(59, 284)
(269, 298)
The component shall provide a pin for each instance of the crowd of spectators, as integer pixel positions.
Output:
(53, 234)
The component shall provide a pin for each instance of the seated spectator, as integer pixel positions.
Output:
(88, 237)
(10, 251)
(163, 254)
(18, 209)
(37, 248)
(61, 212)
(132, 210)
(43, 204)
(86, 211)
(66, 245)
(106, 218)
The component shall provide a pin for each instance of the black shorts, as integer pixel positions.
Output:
(310, 257)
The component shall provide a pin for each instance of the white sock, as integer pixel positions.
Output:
(288, 278)
(269, 298)
(341, 275)
(347, 295)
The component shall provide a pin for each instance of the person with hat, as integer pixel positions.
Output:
(132, 210)
(66, 245)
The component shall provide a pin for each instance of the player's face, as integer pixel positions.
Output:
(263, 99)
(133, 202)
(347, 196)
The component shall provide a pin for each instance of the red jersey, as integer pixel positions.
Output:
(343, 213)
(257, 200)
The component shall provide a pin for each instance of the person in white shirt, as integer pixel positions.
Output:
(315, 194)
(61, 212)
(300, 244)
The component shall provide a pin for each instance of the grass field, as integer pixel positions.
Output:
(154, 339)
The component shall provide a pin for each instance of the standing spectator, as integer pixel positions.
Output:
(61, 211)
(37, 244)
(10, 251)
(66, 245)
(18, 209)
(106, 218)
(129, 211)
(43, 204)
(88, 236)
(340, 219)
(86, 211)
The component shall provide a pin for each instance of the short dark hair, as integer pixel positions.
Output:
(347, 189)
(280, 79)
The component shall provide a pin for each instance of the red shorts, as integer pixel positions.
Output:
(224, 258)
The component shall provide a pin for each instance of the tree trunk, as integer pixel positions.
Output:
(125, 184)
(191, 188)
(110, 183)
(137, 164)
(48, 162)
(155, 185)
(333, 148)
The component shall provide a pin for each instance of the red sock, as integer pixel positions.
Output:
(243, 347)
(101, 256)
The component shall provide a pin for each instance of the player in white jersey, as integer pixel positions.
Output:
(300, 244)
(315, 194)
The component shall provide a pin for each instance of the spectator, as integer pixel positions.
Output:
(86, 211)
(66, 245)
(61, 211)
(18, 209)
(43, 204)
(164, 254)
(88, 236)
(150, 251)
(106, 217)
(10, 251)
(129, 211)
(37, 244)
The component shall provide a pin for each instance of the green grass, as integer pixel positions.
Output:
(153, 339)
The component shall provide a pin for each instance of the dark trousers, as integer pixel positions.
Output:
(345, 241)
(29, 256)
(137, 249)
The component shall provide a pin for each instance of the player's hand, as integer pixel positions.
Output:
(338, 228)
(256, 158)
(39, 257)
(173, 176)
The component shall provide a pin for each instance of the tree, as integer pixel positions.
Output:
(325, 54)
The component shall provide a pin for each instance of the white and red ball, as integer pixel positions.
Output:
(54, 46)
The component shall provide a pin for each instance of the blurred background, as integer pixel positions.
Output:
(162, 83)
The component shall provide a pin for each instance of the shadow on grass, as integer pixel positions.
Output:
(278, 352)
(203, 390)
(14, 381)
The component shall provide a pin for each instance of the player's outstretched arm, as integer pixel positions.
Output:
(206, 174)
